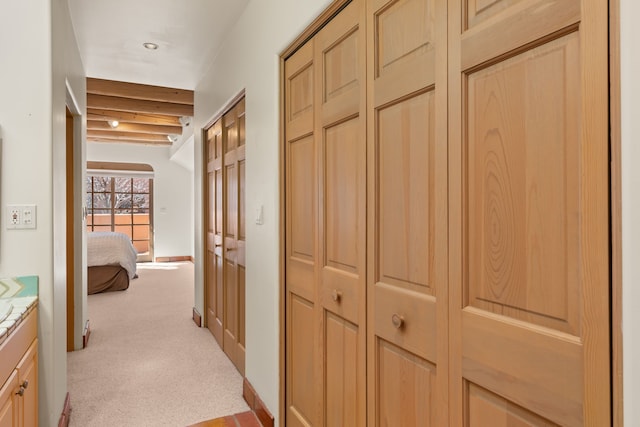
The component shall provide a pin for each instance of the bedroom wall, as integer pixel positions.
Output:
(172, 193)
(39, 53)
(630, 91)
(249, 59)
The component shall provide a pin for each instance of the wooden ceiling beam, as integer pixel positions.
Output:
(126, 136)
(111, 141)
(134, 127)
(127, 117)
(139, 91)
(138, 105)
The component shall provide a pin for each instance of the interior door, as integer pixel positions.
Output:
(234, 234)
(407, 296)
(214, 269)
(529, 311)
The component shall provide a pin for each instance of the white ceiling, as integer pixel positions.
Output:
(110, 35)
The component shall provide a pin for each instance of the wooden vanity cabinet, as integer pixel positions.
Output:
(19, 392)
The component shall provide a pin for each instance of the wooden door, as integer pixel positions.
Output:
(529, 267)
(214, 226)
(407, 296)
(9, 401)
(234, 234)
(340, 129)
(301, 252)
(325, 161)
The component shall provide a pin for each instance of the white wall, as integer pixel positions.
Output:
(38, 53)
(630, 89)
(172, 193)
(250, 60)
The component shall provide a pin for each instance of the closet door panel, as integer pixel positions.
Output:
(302, 323)
(529, 172)
(214, 278)
(341, 355)
(302, 398)
(341, 133)
(407, 299)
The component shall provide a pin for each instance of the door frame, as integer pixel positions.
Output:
(615, 174)
(77, 296)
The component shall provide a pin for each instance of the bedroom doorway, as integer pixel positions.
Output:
(120, 199)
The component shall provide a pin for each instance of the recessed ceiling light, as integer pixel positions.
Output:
(113, 123)
(150, 46)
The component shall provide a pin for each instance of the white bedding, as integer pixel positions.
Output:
(105, 247)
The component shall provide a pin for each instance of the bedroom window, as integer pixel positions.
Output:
(122, 201)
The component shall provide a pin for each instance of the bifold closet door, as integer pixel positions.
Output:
(325, 131)
(407, 294)
(234, 234)
(214, 269)
(225, 224)
(529, 313)
(303, 387)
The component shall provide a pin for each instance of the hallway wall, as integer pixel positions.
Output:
(249, 60)
(40, 58)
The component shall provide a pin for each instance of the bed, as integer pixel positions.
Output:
(111, 262)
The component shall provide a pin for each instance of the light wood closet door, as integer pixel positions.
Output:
(303, 386)
(234, 235)
(407, 295)
(340, 128)
(529, 213)
(214, 268)
(325, 131)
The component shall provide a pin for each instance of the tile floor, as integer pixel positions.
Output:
(244, 419)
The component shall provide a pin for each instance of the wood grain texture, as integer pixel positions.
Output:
(139, 91)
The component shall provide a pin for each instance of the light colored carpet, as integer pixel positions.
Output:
(147, 363)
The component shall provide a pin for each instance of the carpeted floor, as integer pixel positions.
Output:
(147, 363)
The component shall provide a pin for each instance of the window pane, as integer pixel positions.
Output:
(141, 232)
(140, 202)
(140, 185)
(89, 201)
(101, 201)
(102, 228)
(123, 185)
(141, 246)
(102, 217)
(89, 186)
(124, 229)
(141, 218)
(122, 217)
(101, 183)
(123, 201)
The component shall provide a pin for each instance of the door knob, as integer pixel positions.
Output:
(397, 320)
(25, 384)
(20, 392)
(336, 295)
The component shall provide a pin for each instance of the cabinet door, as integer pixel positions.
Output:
(28, 378)
(9, 402)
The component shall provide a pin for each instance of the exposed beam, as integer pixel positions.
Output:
(126, 136)
(111, 141)
(138, 105)
(134, 127)
(139, 91)
(127, 117)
